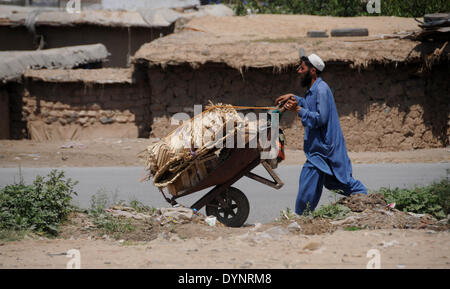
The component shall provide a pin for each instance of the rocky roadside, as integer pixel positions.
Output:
(179, 238)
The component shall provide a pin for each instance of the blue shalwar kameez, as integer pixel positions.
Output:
(327, 162)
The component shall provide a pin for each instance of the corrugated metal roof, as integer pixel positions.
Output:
(14, 63)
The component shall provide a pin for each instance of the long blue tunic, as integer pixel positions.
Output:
(324, 143)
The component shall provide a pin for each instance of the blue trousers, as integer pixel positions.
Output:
(311, 185)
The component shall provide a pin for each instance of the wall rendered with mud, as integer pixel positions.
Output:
(57, 111)
(381, 108)
(4, 113)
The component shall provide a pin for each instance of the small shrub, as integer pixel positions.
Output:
(108, 224)
(13, 235)
(433, 199)
(287, 214)
(99, 202)
(402, 8)
(353, 228)
(113, 225)
(141, 208)
(307, 212)
(40, 207)
(332, 211)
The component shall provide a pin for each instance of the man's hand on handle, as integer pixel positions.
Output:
(290, 102)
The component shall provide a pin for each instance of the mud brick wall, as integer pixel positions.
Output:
(76, 110)
(4, 113)
(17, 118)
(381, 108)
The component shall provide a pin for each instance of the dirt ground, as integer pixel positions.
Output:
(398, 249)
(398, 240)
(123, 152)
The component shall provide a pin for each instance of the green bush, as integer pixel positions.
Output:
(141, 208)
(433, 199)
(411, 8)
(332, 211)
(40, 207)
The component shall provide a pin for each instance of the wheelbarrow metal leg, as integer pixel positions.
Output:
(276, 183)
(211, 195)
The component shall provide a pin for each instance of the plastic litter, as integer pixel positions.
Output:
(294, 227)
(211, 221)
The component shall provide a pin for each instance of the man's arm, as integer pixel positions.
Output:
(317, 119)
(283, 98)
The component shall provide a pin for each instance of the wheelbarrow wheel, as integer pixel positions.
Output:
(234, 210)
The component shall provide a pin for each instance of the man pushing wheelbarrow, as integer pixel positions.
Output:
(327, 161)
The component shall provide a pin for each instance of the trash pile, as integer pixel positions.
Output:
(372, 212)
(164, 216)
(435, 27)
(365, 212)
(190, 152)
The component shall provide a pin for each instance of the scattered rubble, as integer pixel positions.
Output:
(359, 202)
(180, 223)
(312, 246)
(127, 212)
(162, 216)
(385, 244)
(294, 227)
(73, 144)
(367, 212)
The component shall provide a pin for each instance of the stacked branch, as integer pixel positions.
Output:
(198, 141)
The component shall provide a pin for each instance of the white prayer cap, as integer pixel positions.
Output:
(316, 61)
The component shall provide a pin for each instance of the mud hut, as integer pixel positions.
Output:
(13, 65)
(391, 91)
(63, 104)
(122, 32)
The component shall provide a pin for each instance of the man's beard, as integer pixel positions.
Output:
(306, 80)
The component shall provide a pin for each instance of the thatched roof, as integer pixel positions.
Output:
(274, 41)
(14, 63)
(98, 76)
(296, 26)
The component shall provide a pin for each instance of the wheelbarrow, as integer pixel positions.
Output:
(228, 204)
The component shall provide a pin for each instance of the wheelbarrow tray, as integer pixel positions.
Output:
(238, 161)
(223, 198)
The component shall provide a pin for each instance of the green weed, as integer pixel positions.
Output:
(433, 199)
(108, 224)
(332, 211)
(287, 214)
(39, 207)
(141, 208)
(353, 228)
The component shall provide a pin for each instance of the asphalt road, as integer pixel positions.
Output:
(122, 183)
